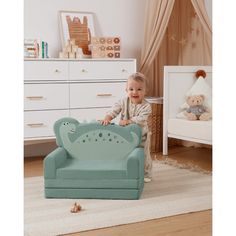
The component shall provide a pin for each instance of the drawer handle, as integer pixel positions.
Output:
(35, 125)
(84, 71)
(57, 71)
(104, 95)
(35, 97)
(124, 70)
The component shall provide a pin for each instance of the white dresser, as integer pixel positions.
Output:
(82, 89)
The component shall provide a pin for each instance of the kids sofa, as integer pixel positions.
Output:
(94, 161)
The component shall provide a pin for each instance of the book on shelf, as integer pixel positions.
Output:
(30, 48)
(35, 48)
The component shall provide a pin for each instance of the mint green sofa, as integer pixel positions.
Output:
(94, 161)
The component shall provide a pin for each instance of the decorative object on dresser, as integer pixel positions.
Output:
(78, 26)
(155, 123)
(35, 48)
(71, 50)
(180, 81)
(105, 47)
(84, 89)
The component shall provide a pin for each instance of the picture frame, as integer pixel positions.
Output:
(78, 26)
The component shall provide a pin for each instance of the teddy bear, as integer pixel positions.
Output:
(196, 110)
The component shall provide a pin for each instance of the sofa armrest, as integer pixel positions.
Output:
(135, 163)
(52, 161)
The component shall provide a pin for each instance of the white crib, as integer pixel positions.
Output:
(177, 82)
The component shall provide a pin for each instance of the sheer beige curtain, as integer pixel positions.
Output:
(157, 18)
(199, 6)
(183, 40)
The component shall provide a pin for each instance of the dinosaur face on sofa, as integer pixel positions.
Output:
(68, 127)
(88, 140)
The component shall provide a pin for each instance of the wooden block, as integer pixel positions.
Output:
(68, 48)
(61, 55)
(71, 55)
(72, 42)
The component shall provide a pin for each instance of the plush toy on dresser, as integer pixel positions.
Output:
(196, 110)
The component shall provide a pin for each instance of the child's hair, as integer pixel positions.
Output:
(138, 77)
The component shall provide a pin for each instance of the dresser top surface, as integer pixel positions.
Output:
(82, 59)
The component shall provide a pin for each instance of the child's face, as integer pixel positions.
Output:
(135, 91)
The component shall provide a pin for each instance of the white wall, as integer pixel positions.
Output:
(124, 18)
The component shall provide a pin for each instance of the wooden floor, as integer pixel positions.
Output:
(191, 224)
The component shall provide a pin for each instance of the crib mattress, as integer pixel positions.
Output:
(192, 129)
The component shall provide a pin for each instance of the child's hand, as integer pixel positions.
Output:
(124, 122)
(105, 122)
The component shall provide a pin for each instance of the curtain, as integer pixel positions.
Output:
(157, 17)
(183, 41)
(199, 6)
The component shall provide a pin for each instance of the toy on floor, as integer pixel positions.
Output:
(76, 208)
(196, 110)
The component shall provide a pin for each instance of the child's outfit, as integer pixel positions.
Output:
(137, 113)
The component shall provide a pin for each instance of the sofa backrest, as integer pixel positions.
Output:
(95, 141)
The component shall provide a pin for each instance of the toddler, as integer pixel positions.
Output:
(134, 109)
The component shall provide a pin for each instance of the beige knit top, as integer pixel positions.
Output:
(137, 113)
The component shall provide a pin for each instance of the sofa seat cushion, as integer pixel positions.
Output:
(92, 183)
(192, 129)
(92, 169)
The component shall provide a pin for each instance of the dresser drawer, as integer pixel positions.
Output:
(46, 96)
(88, 95)
(45, 70)
(89, 114)
(106, 70)
(40, 123)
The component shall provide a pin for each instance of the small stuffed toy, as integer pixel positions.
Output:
(196, 110)
(76, 208)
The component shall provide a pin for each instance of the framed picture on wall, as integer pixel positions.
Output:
(78, 26)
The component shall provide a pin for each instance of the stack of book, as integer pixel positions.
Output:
(35, 48)
(30, 48)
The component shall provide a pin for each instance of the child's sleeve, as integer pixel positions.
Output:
(115, 110)
(143, 115)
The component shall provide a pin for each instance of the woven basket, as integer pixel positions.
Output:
(155, 124)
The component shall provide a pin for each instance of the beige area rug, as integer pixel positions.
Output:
(173, 191)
